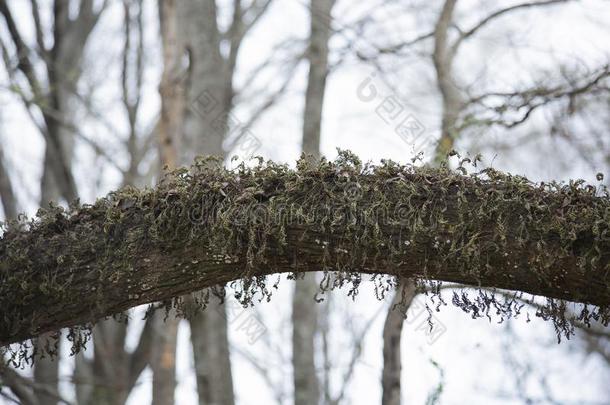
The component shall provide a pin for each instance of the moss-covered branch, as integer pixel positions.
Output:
(207, 226)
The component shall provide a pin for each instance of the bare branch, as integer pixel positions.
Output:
(266, 105)
(23, 51)
(499, 13)
(42, 49)
(253, 13)
(357, 344)
(525, 102)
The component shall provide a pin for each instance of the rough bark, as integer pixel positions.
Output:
(392, 330)
(135, 248)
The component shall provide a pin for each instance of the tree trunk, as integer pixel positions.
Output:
(208, 83)
(163, 359)
(46, 372)
(164, 335)
(304, 310)
(206, 121)
(171, 90)
(392, 329)
(452, 102)
(212, 360)
(304, 327)
(317, 56)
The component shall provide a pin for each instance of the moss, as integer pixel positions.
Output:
(366, 219)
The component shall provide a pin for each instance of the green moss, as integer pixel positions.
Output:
(366, 218)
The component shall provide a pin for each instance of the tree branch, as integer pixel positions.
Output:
(42, 49)
(499, 13)
(25, 65)
(524, 102)
(210, 226)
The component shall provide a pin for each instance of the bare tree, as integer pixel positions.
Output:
(62, 63)
(461, 111)
(51, 94)
(209, 93)
(113, 372)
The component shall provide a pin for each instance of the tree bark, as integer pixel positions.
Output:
(70, 269)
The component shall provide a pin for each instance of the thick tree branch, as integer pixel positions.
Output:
(209, 226)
